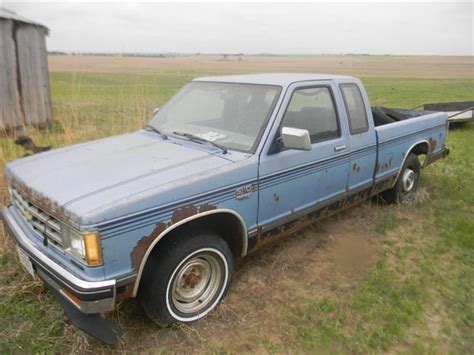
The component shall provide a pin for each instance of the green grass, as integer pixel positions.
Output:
(387, 224)
(30, 319)
(425, 250)
(403, 92)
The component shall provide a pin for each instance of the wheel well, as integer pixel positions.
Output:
(422, 148)
(228, 226)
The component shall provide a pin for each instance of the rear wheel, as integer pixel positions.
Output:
(186, 278)
(407, 182)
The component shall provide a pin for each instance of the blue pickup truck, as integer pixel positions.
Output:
(227, 166)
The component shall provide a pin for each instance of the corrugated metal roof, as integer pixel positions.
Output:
(11, 15)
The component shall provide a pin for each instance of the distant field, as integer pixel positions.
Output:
(374, 279)
(393, 66)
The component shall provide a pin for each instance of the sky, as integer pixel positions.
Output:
(428, 28)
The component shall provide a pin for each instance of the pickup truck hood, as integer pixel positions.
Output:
(98, 172)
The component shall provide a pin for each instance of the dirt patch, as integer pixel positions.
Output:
(352, 252)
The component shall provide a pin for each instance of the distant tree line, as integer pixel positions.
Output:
(224, 56)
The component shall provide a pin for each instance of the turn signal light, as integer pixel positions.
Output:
(92, 247)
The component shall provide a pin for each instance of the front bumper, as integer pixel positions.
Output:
(87, 296)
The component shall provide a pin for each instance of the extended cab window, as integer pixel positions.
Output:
(355, 108)
(313, 109)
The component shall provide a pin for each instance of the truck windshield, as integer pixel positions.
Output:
(232, 115)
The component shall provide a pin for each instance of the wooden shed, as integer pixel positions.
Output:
(25, 97)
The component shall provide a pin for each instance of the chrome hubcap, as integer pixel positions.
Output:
(196, 283)
(408, 180)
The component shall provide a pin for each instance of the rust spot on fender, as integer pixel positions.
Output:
(433, 157)
(432, 142)
(126, 294)
(187, 211)
(179, 214)
(276, 197)
(142, 246)
(183, 212)
(207, 207)
(356, 167)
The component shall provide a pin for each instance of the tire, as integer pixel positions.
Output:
(407, 182)
(186, 278)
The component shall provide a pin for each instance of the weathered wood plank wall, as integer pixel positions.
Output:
(10, 113)
(30, 41)
(27, 101)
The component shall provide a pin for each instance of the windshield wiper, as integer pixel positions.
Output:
(156, 130)
(198, 139)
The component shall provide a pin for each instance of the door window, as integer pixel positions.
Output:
(313, 109)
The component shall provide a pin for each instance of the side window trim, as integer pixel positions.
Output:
(351, 130)
(333, 100)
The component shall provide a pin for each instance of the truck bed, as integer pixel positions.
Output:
(396, 138)
(383, 115)
(458, 112)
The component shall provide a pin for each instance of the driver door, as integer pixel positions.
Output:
(295, 182)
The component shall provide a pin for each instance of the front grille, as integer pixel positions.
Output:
(40, 221)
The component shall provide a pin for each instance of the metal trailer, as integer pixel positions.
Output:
(458, 112)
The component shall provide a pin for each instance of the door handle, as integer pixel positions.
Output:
(340, 147)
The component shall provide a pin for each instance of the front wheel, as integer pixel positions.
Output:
(186, 278)
(407, 182)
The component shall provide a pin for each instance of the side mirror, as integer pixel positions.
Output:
(155, 111)
(295, 138)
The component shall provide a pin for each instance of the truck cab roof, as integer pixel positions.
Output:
(280, 79)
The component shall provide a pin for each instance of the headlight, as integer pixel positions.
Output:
(76, 244)
(83, 246)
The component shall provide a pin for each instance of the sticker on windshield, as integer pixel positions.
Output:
(211, 136)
